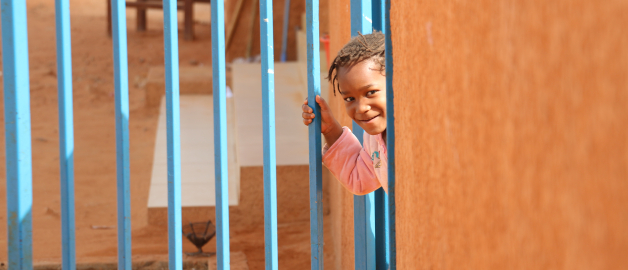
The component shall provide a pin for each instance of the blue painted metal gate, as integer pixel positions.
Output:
(374, 213)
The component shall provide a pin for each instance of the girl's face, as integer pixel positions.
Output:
(363, 88)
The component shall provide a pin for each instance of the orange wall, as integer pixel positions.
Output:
(512, 137)
(512, 145)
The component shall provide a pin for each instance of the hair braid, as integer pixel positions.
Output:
(360, 48)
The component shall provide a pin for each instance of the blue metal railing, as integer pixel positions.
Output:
(268, 118)
(381, 259)
(220, 133)
(363, 206)
(374, 214)
(171, 55)
(390, 208)
(66, 133)
(121, 84)
(17, 134)
(314, 130)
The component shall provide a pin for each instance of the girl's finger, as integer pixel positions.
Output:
(321, 102)
(307, 121)
(308, 115)
(306, 108)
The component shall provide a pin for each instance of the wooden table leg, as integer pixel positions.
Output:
(141, 18)
(188, 20)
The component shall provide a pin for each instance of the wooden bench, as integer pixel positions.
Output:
(142, 5)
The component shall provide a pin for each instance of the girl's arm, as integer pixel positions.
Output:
(351, 164)
(345, 158)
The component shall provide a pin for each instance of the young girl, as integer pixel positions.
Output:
(359, 73)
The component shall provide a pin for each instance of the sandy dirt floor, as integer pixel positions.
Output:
(95, 163)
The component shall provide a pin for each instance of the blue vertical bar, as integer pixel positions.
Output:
(66, 132)
(364, 231)
(171, 54)
(17, 123)
(286, 23)
(391, 239)
(362, 22)
(363, 206)
(121, 83)
(378, 7)
(268, 107)
(314, 131)
(378, 13)
(220, 134)
(380, 229)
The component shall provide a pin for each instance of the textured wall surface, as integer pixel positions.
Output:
(512, 137)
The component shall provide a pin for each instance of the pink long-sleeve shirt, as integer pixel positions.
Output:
(361, 170)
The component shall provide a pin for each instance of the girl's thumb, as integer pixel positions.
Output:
(321, 102)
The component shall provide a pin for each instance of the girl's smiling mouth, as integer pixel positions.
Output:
(369, 120)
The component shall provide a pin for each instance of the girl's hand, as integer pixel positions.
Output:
(330, 128)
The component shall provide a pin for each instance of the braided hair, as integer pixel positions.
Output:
(360, 48)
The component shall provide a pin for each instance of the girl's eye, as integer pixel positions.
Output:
(372, 92)
(349, 99)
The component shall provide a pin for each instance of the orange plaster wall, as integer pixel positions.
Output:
(512, 134)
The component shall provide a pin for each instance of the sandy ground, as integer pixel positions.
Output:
(95, 164)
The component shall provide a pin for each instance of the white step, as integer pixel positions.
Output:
(197, 155)
(290, 92)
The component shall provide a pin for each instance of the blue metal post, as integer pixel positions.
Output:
(380, 196)
(379, 15)
(361, 21)
(121, 83)
(380, 229)
(220, 134)
(17, 124)
(391, 239)
(66, 132)
(286, 23)
(314, 130)
(268, 107)
(171, 54)
(363, 206)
